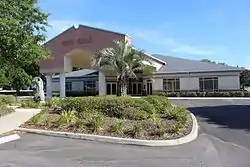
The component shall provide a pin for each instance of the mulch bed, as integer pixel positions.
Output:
(148, 128)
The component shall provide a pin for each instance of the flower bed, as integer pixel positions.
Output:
(151, 118)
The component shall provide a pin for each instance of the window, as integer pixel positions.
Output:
(208, 84)
(90, 87)
(68, 86)
(171, 85)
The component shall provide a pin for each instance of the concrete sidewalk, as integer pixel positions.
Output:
(14, 120)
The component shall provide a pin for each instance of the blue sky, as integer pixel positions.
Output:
(195, 29)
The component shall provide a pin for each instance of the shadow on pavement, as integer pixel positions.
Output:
(228, 116)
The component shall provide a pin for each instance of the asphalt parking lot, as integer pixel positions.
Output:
(228, 120)
(223, 142)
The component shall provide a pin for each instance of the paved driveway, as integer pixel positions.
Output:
(228, 120)
(210, 149)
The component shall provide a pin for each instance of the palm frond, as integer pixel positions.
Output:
(123, 58)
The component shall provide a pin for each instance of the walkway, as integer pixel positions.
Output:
(13, 120)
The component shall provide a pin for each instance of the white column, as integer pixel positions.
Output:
(102, 84)
(62, 85)
(48, 86)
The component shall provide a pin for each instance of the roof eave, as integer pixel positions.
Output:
(177, 72)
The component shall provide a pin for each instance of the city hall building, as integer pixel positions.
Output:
(76, 46)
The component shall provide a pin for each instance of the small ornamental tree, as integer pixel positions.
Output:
(125, 60)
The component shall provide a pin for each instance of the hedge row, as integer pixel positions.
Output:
(15, 94)
(7, 99)
(119, 107)
(207, 94)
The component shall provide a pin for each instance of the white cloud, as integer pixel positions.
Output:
(193, 50)
(157, 37)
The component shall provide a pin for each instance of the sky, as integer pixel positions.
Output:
(218, 30)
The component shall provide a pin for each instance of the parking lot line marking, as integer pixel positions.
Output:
(9, 138)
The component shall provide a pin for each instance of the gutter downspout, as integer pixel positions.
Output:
(188, 73)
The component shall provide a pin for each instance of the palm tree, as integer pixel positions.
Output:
(125, 60)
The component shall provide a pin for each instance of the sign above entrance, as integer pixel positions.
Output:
(78, 41)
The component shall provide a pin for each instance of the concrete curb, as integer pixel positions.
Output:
(36, 110)
(153, 143)
(14, 107)
(9, 138)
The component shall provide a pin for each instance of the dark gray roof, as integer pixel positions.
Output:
(80, 73)
(178, 65)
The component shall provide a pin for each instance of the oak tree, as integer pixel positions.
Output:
(22, 33)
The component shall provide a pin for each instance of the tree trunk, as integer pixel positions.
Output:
(121, 86)
(17, 91)
(124, 88)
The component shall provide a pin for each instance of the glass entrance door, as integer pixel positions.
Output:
(111, 88)
(149, 88)
(136, 88)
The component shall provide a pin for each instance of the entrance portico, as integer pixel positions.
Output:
(75, 48)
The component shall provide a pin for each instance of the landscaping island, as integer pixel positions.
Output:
(148, 118)
(6, 100)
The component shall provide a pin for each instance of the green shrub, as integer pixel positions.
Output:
(175, 128)
(7, 99)
(188, 94)
(30, 104)
(80, 124)
(117, 127)
(207, 94)
(246, 94)
(119, 107)
(96, 121)
(179, 114)
(154, 117)
(136, 130)
(40, 118)
(54, 102)
(68, 117)
(160, 103)
(4, 110)
(160, 129)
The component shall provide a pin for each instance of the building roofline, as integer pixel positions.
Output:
(53, 38)
(191, 72)
(94, 28)
(100, 29)
(155, 58)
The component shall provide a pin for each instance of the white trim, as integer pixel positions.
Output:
(9, 138)
(163, 62)
(155, 58)
(153, 143)
(48, 86)
(62, 85)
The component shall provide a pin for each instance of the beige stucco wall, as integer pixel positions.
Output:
(191, 83)
(229, 82)
(226, 80)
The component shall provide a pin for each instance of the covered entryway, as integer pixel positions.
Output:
(75, 48)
